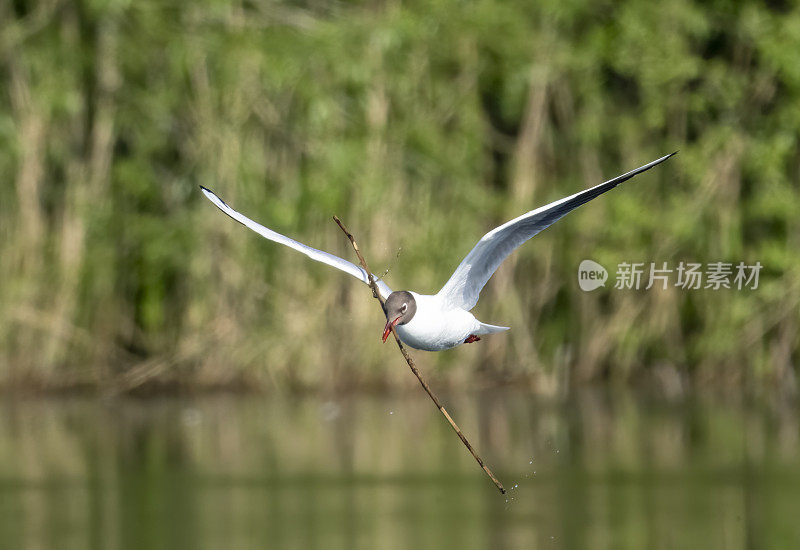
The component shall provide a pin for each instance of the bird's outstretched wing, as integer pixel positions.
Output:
(464, 286)
(313, 253)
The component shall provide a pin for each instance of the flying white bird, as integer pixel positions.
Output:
(443, 320)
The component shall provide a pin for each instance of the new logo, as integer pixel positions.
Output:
(591, 275)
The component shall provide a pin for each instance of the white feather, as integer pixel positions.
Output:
(313, 253)
(465, 284)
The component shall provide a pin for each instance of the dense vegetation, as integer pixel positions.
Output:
(422, 125)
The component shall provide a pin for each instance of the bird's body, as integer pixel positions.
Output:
(443, 320)
(436, 326)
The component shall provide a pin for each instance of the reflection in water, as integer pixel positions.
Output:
(594, 471)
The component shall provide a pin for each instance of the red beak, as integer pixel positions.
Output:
(388, 328)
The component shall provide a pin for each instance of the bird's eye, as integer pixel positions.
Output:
(404, 308)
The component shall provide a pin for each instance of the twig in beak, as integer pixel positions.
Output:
(410, 361)
(388, 328)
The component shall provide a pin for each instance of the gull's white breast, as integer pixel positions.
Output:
(436, 327)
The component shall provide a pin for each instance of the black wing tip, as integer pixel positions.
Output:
(666, 157)
(210, 192)
(656, 162)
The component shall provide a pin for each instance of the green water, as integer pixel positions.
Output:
(595, 470)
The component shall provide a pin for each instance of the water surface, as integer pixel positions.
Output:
(596, 470)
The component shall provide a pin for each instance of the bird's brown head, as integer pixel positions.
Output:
(400, 308)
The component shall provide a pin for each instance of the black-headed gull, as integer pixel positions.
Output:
(443, 320)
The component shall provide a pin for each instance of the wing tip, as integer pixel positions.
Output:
(213, 197)
(660, 160)
(641, 169)
(665, 157)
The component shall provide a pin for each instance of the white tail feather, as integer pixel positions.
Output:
(490, 329)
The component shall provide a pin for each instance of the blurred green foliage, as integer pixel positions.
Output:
(421, 124)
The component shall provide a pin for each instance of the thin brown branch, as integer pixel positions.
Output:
(412, 365)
